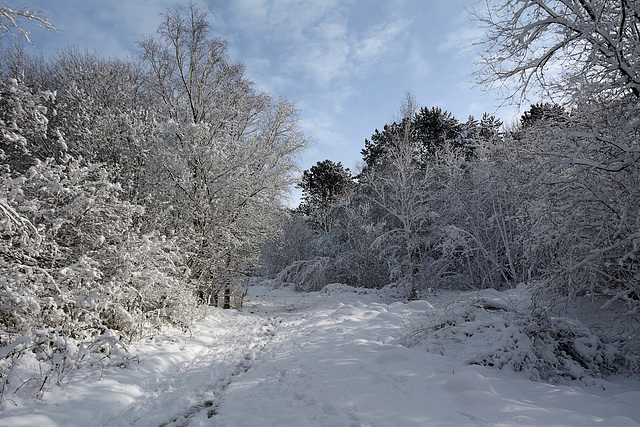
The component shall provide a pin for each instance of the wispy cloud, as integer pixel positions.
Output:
(321, 53)
(112, 31)
(380, 40)
(461, 42)
(317, 42)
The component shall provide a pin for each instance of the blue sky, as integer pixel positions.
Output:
(344, 64)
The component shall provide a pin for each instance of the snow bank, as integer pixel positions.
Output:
(497, 329)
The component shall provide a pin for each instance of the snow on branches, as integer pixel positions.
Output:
(11, 20)
(560, 47)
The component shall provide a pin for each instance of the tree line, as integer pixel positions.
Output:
(552, 201)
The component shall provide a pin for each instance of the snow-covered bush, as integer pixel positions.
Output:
(394, 292)
(24, 132)
(341, 288)
(155, 284)
(588, 208)
(480, 225)
(500, 330)
(76, 278)
(36, 362)
(583, 218)
(297, 241)
(308, 275)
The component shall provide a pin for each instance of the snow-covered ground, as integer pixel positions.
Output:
(319, 359)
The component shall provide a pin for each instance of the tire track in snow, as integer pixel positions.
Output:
(232, 343)
(196, 387)
(273, 311)
(241, 367)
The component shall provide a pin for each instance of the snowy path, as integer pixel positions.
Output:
(291, 359)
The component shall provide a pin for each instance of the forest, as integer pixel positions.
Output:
(135, 193)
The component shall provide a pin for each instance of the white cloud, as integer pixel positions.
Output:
(112, 30)
(308, 40)
(460, 42)
(417, 62)
(252, 14)
(322, 53)
(385, 37)
(317, 43)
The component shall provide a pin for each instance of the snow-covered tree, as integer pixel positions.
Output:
(323, 185)
(106, 117)
(587, 203)
(12, 21)
(585, 166)
(224, 154)
(24, 119)
(561, 47)
(429, 130)
(481, 220)
(402, 192)
(98, 112)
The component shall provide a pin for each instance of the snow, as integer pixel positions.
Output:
(331, 358)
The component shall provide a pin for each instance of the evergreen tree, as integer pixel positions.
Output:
(431, 130)
(541, 112)
(323, 185)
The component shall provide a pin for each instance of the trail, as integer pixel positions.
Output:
(319, 359)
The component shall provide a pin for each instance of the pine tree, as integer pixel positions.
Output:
(322, 185)
(431, 131)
